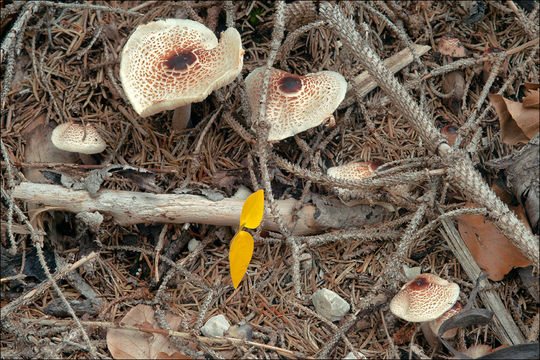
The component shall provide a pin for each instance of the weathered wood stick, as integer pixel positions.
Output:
(128, 207)
(365, 82)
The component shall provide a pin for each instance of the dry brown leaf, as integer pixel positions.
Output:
(132, 344)
(532, 100)
(531, 86)
(518, 123)
(39, 148)
(491, 250)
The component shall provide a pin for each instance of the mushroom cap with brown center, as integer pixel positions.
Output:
(295, 103)
(174, 62)
(353, 170)
(424, 298)
(451, 46)
(76, 137)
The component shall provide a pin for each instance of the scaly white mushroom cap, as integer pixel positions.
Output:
(353, 170)
(424, 298)
(295, 103)
(76, 137)
(174, 62)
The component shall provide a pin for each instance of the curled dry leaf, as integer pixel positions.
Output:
(491, 250)
(518, 120)
(131, 344)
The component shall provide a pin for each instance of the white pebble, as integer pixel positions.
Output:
(192, 244)
(350, 356)
(329, 304)
(242, 193)
(215, 326)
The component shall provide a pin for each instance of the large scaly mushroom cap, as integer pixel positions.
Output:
(174, 62)
(424, 298)
(76, 137)
(295, 103)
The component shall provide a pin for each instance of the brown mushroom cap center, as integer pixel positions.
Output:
(419, 284)
(180, 61)
(290, 84)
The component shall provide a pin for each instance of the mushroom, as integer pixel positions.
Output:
(476, 351)
(486, 68)
(78, 137)
(454, 82)
(361, 169)
(451, 133)
(424, 299)
(450, 45)
(169, 64)
(295, 103)
(353, 170)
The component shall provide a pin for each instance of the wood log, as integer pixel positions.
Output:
(127, 207)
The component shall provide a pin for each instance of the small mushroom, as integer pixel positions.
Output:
(450, 45)
(451, 133)
(486, 68)
(423, 299)
(295, 103)
(398, 194)
(169, 64)
(476, 351)
(78, 137)
(353, 170)
(454, 82)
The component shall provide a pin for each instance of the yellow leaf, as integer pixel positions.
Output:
(252, 211)
(240, 255)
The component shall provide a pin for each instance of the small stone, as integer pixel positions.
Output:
(329, 304)
(242, 193)
(215, 326)
(240, 332)
(350, 356)
(306, 262)
(192, 244)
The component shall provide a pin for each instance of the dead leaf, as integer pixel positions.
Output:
(492, 251)
(132, 344)
(39, 148)
(518, 123)
(532, 100)
(531, 86)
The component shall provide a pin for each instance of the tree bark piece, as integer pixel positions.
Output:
(127, 207)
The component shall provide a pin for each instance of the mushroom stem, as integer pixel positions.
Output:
(181, 117)
(429, 335)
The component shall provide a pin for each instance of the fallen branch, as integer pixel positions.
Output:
(364, 83)
(127, 207)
